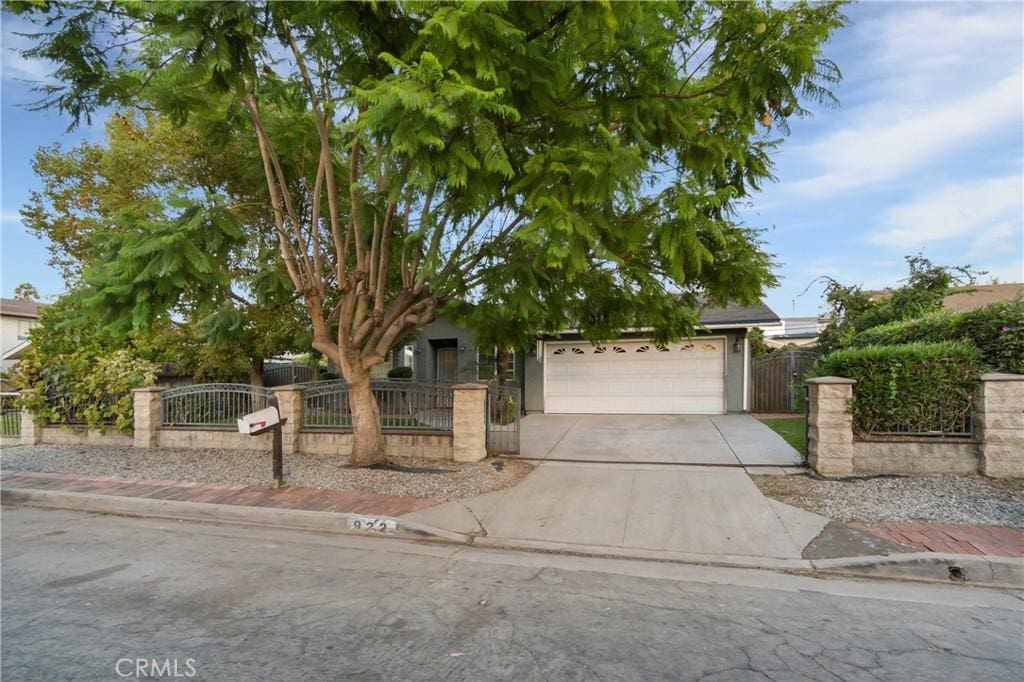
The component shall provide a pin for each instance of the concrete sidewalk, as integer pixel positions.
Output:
(683, 511)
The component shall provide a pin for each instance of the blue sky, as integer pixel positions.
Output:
(925, 153)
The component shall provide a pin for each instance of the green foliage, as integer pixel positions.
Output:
(75, 371)
(918, 387)
(26, 292)
(758, 346)
(141, 221)
(852, 310)
(89, 386)
(400, 373)
(558, 161)
(997, 330)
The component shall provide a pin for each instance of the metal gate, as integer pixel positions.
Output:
(504, 404)
(777, 380)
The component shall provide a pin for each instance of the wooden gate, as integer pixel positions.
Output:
(777, 380)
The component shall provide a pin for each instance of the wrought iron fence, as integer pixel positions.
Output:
(10, 416)
(283, 375)
(211, 405)
(404, 405)
(504, 405)
(71, 412)
(930, 422)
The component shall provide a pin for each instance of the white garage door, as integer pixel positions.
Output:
(635, 377)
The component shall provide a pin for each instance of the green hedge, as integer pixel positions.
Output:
(997, 330)
(400, 373)
(915, 387)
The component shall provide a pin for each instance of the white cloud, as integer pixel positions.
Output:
(14, 66)
(988, 213)
(891, 142)
(940, 77)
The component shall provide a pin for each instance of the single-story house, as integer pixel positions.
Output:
(706, 374)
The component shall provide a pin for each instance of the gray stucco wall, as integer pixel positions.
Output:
(533, 387)
(441, 331)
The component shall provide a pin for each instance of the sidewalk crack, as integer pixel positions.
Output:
(629, 507)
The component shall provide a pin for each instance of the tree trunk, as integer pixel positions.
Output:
(256, 373)
(367, 439)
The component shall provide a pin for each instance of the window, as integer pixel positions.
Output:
(407, 356)
(487, 365)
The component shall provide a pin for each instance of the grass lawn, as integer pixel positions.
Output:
(790, 428)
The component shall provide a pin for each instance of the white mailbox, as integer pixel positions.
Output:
(259, 421)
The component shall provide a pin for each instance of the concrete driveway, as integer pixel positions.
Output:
(730, 439)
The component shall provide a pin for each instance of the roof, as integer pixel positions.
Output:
(739, 315)
(970, 298)
(18, 307)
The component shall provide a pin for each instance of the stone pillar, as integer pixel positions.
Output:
(289, 402)
(469, 422)
(999, 425)
(146, 402)
(31, 433)
(830, 426)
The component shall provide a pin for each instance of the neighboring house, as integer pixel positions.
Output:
(965, 299)
(17, 316)
(795, 331)
(562, 373)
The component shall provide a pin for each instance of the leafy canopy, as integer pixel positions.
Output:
(160, 236)
(554, 163)
(853, 310)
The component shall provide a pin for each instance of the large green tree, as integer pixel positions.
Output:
(555, 163)
(103, 206)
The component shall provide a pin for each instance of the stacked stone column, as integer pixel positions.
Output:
(830, 426)
(469, 422)
(146, 402)
(31, 434)
(999, 425)
(289, 404)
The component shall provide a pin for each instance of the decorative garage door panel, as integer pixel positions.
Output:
(635, 377)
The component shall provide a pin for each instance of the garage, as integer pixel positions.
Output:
(635, 377)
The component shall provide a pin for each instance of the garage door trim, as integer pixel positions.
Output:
(547, 344)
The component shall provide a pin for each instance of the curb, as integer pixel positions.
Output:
(330, 522)
(966, 569)
(961, 569)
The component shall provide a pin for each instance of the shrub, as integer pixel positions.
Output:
(997, 330)
(86, 387)
(400, 373)
(915, 387)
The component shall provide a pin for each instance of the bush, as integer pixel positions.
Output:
(997, 330)
(87, 387)
(916, 387)
(400, 373)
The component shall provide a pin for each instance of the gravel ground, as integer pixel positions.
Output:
(417, 478)
(943, 499)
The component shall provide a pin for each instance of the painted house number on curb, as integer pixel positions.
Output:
(371, 523)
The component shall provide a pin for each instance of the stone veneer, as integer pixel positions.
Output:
(469, 422)
(45, 434)
(70, 435)
(999, 423)
(997, 449)
(422, 445)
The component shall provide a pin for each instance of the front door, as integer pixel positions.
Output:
(446, 365)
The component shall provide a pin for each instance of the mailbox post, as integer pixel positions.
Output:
(261, 422)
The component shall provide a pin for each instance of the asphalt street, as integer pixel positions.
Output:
(107, 598)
